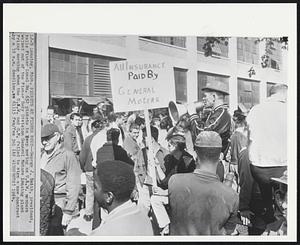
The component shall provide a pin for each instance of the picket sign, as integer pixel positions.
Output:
(142, 84)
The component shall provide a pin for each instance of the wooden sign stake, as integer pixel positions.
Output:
(151, 163)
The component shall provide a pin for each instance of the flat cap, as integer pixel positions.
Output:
(49, 129)
(208, 139)
(218, 86)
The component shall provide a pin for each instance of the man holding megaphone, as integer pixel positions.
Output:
(218, 120)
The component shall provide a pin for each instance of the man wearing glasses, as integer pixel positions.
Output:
(65, 169)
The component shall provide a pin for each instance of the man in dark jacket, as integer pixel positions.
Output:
(218, 120)
(111, 146)
(178, 161)
(251, 205)
(85, 159)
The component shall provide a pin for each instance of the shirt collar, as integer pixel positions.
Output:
(118, 209)
(206, 174)
(45, 157)
(224, 106)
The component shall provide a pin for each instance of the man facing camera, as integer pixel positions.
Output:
(114, 183)
(200, 203)
(65, 169)
(73, 138)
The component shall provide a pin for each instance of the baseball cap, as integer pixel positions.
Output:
(208, 139)
(49, 129)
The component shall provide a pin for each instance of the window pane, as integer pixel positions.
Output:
(180, 84)
(176, 41)
(248, 92)
(275, 56)
(220, 49)
(269, 86)
(68, 78)
(247, 50)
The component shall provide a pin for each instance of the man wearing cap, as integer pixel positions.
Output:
(200, 203)
(218, 120)
(64, 167)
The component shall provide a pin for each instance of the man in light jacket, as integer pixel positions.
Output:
(65, 169)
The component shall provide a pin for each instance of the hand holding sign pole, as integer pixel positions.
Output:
(151, 163)
(142, 84)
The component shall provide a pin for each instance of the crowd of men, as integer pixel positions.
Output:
(214, 174)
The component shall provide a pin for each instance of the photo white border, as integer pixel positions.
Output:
(157, 19)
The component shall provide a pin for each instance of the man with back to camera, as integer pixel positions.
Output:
(100, 138)
(114, 183)
(268, 143)
(111, 145)
(64, 167)
(86, 158)
(218, 120)
(110, 151)
(200, 203)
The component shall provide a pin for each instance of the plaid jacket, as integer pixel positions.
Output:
(46, 200)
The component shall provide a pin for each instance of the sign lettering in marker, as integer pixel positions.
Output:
(141, 84)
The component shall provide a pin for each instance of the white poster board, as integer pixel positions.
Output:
(140, 84)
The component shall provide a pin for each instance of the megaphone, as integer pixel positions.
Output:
(177, 110)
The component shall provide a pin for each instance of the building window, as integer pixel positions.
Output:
(176, 41)
(247, 50)
(275, 60)
(69, 73)
(219, 49)
(75, 75)
(269, 86)
(101, 77)
(180, 76)
(248, 92)
(204, 78)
